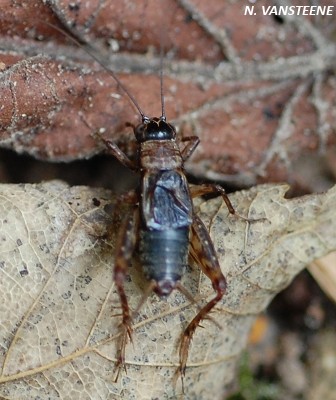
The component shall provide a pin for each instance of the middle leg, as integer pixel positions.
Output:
(208, 188)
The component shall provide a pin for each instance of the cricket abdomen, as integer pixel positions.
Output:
(164, 256)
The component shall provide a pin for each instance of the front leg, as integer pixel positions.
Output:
(125, 247)
(203, 252)
(117, 153)
(190, 147)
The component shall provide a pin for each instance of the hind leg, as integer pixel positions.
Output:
(203, 252)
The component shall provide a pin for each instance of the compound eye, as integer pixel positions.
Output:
(139, 132)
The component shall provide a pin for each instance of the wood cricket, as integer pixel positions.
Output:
(162, 225)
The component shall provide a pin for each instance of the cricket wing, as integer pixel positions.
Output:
(166, 200)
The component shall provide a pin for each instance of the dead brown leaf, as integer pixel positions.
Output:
(259, 91)
(58, 324)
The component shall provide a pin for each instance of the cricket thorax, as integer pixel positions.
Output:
(160, 155)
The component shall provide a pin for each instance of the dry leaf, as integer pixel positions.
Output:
(58, 324)
(324, 272)
(258, 90)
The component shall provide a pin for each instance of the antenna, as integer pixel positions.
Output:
(91, 51)
(163, 112)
